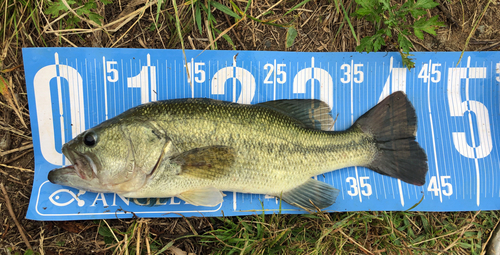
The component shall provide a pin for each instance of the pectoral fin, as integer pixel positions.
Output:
(311, 194)
(210, 162)
(207, 196)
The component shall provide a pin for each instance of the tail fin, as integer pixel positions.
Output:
(393, 125)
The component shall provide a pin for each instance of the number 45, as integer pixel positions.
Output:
(427, 72)
(433, 186)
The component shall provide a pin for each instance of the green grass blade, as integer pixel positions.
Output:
(255, 19)
(197, 17)
(209, 14)
(224, 9)
(415, 205)
(248, 6)
(158, 10)
(346, 17)
(178, 26)
(297, 6)
(473, 30)
(226, 37)
(166, 246)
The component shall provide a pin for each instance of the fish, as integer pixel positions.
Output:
(493, 246)
(194, 149)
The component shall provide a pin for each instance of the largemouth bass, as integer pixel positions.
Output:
(194, 149)
(493, 247)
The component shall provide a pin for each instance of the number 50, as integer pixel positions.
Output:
(458, 108)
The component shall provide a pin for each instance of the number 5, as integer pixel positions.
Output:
(449, 188)
(458, 108)
(368, 191)
(114, 73)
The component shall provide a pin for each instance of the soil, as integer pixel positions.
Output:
(321, 28)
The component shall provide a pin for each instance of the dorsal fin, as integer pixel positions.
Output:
(312, 113)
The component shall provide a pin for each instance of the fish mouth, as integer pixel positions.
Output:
(82, 167)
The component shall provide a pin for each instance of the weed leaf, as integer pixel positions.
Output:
(407, 61)
(364, 12)
(404, 43)
(104, 231)
(367, 4)
(291, 33)
(95, 17)
(88, 8)
(426, 4)
(56, 7)
(386, 4)
(4, 90)
(372, 43)
(393, 19)
(428, 26)
(29, 252)
(415, 13)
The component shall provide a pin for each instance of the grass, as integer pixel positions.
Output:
(19, 23)
(320, 233)
(24, 23)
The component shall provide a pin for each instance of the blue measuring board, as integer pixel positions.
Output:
(73, 89)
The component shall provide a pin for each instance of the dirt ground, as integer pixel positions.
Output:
(320, 29)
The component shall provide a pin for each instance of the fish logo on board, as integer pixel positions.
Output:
(58, 196)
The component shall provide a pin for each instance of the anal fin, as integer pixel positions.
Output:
(311, 195)
(207, 196)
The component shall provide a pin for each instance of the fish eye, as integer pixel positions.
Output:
(90, 139)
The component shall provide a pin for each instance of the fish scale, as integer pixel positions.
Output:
(265, 157)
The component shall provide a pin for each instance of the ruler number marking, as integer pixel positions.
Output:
(359, 75)
(199, 74)
(364, 186)
(446, 187)
(431, 73)
(113, 73)
(459, 108)
(280, 73)
(498, 71)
